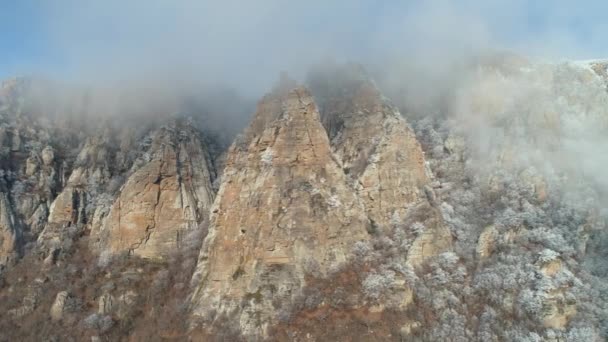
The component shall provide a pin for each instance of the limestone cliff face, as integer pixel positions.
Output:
(29, 169)
(60, 175)
(9, 234)
(91, 169)
(163, 200)
(327, 223)
(380, 152)
(82, 194)
(377, 148)
(284, 203)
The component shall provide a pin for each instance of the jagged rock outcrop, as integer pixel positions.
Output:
(105, 304)
(9, 233)
(375, 144)
(30, 167)
(58, 305)
(284, 203)
(486, 242)
(165, 200)
(93, 171)
(329, 224)
(73, 206)
(380, 152)
(35, 188)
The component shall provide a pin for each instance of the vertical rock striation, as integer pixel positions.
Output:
(284, 204)
(164, 200)
(9, 234)
(380, 152)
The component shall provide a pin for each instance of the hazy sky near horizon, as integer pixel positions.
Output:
(248, 42)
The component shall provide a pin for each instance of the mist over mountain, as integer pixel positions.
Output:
(324, 171)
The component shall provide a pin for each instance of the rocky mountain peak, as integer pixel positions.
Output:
(333, 216)
(284, 203)
(269, 108)
(379, 150)
(165, 199)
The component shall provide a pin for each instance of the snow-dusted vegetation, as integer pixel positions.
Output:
(521, 162)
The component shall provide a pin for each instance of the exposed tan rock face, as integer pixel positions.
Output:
(58, 306)
(559, 311)
(486, 242)
(28, 167)
(164, 200)
(54, 194)
(102, 155)
(284, 203)
(25, 138)
(8, 231)
(379, 150)
(68, 207)
(105, 304)
(91, 171)
(90, 174)
(32, 205)
(395, 174)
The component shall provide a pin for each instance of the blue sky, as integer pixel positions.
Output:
(18, 37)
(25, 46)
(246, 39)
